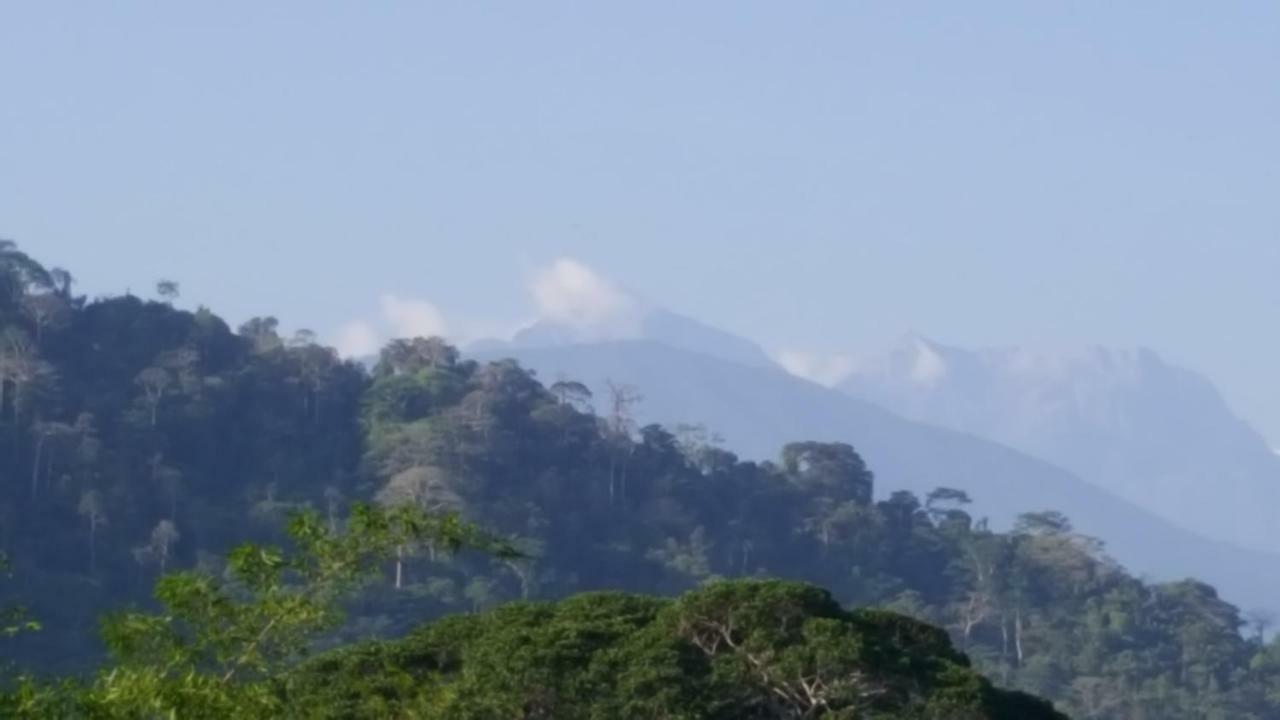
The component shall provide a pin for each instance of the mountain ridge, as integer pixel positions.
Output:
(757, 410)
(650, 323)
(1155, 433)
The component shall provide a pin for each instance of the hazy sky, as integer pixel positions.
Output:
(818, 176)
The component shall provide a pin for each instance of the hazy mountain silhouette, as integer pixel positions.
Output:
(658, 325)
(1158, 435)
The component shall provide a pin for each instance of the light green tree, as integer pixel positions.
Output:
(221, 644)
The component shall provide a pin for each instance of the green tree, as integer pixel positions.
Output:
(727, 651)
(220, 644)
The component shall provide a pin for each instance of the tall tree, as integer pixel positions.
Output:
(159, 547)
(264, 333)
(45, 310)
(91, 509)
(155, 383)
(22, 371)
(405, 356)
(620, 425)
(572, 393)
(424, 489)
(19, 274)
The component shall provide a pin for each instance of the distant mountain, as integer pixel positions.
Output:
(1158, 435)
(758, 409)
(656, 325)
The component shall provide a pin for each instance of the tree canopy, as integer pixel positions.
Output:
(733, 650)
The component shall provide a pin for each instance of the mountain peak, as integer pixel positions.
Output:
(920, 360)
(1125, 419)
(646, 323)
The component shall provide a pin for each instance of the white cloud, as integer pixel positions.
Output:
(570, 293)
(409, 318)
(826, 370)
(357, 339)
(566, 292)
(399, 318)
(929, 367)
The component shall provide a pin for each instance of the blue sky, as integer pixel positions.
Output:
(821, 177)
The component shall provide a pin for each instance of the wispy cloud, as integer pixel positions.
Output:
(357, 339)
(398, 317)
(570, 293)
(823, 369)
(566, 292)
(408, 317)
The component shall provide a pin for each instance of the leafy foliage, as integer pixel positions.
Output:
(220, 642)
(734, 649)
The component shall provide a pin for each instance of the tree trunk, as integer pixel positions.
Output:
(399, 566)
(1017, 634)
(1004, 648)
(35, 465)
(626, 460)
(613, 463)
(93, 546)
(975, 612)
(522, 574)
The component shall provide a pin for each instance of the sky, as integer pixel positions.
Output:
(821, 177)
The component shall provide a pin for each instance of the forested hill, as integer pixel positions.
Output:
(736, 650)
(757, 410)
(136, 438)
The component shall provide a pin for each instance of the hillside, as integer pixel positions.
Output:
(757, 410)
(234, 644)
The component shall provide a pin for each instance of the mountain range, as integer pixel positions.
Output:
(1155, 434)
(921, 420)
